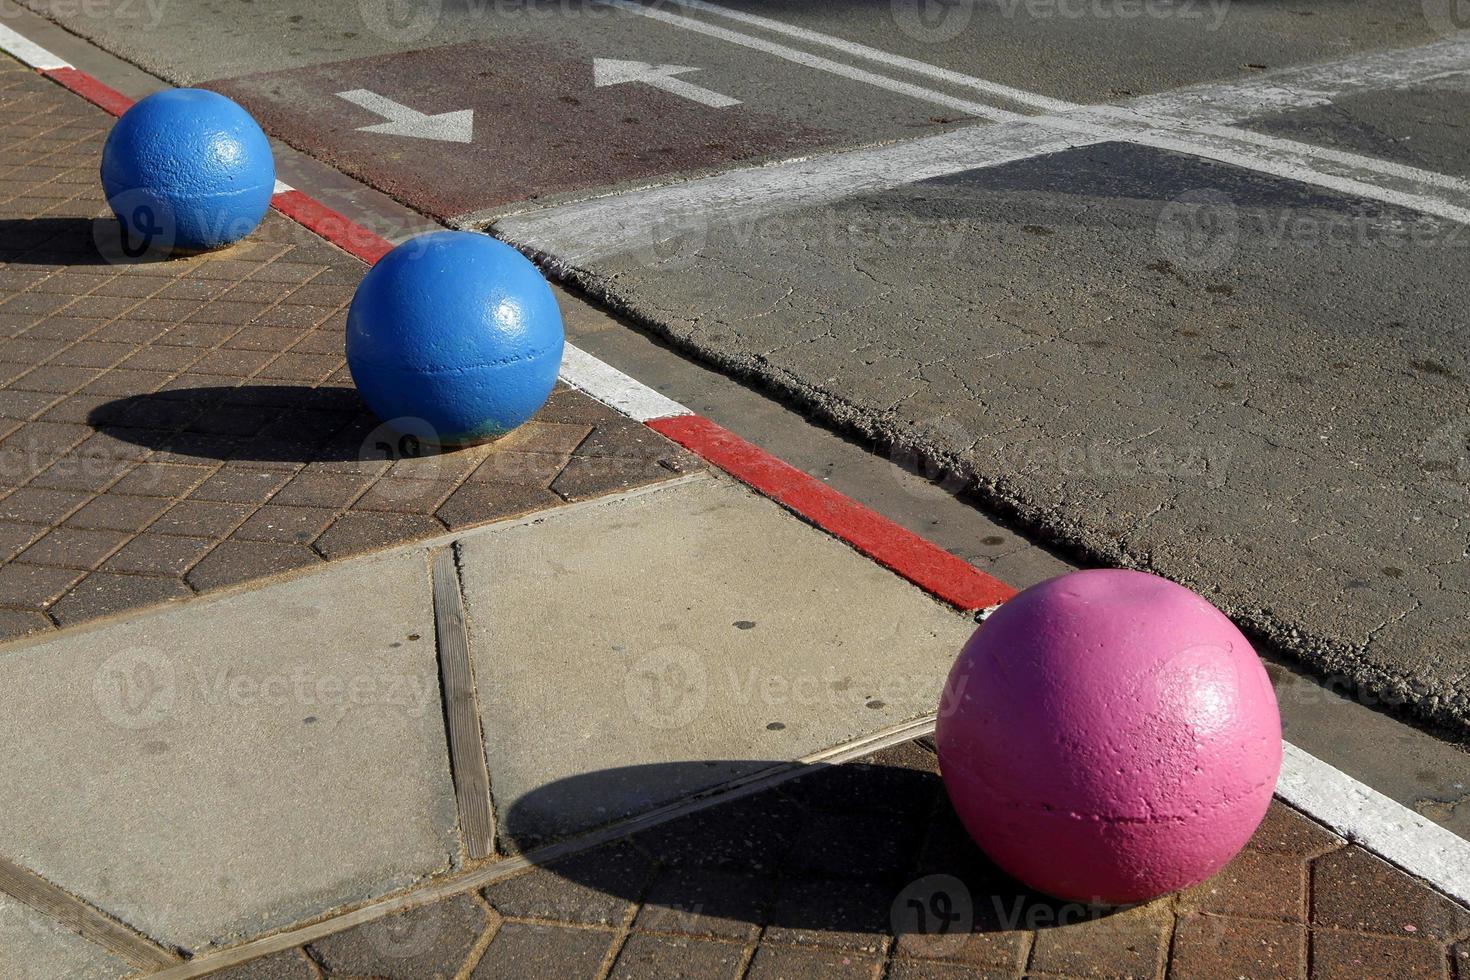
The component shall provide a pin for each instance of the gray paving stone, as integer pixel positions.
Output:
(427, 943)
(687, 655)
(211, 772)
(34, 947)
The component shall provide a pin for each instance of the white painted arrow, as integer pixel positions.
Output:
(451, 127)
(608, 71)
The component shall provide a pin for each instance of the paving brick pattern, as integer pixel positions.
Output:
(171, 427)
(823, 877)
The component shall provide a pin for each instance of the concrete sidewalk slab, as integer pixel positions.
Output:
(695, 623)
(34, 947)
(210, 772)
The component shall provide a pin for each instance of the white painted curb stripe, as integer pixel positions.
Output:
(614, 388)
(282, 187)
(29, 51)
(1381, 825)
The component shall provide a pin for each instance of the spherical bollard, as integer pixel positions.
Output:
(187, 170)
(455, 334)
(1109, 737)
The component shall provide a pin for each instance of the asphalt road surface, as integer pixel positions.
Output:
(1180, 285)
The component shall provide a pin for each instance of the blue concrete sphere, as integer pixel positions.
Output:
(455, 337)
(187, 170)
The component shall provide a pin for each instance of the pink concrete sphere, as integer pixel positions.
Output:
(1109, 737)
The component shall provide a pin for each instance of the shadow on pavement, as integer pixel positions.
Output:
(857, 848)
(263, 423)
(70, 241)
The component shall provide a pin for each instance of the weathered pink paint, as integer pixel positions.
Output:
(1109, 736)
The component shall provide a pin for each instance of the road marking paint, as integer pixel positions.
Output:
(448, 127)
(1191, 120)
(1385, 827)
(1347, 173)
(1307, 86)
(281, 187)
(581, 232)
(335, 227)
(896, 548)
(1275, 91)
(795, 56)
(1019, 96)
(102, 96)
(610, 71)
(614, 388)
(28, 52)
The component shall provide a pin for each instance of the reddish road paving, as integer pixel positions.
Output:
(601, 136)
(863, 871)
(172, 427)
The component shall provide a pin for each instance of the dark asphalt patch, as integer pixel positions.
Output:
(540, 128)
(1247, 384)
(1427, 126)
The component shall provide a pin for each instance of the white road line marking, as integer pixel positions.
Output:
(1347, 173)
(1019, 96)
(1191, 120)
(1307, 86)
(610, 71)
(585, 231)
(449, 127)
(29, 52)
(614, 388)
(1385, 827)
(1224, 102)
(795, 56)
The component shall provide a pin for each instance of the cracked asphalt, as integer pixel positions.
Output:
(1272, 411)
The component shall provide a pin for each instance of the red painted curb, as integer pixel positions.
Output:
(335, 227)
(925, 564)
(90, 89)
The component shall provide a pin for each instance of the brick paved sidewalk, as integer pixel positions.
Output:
(172, 427)
(823, 877)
